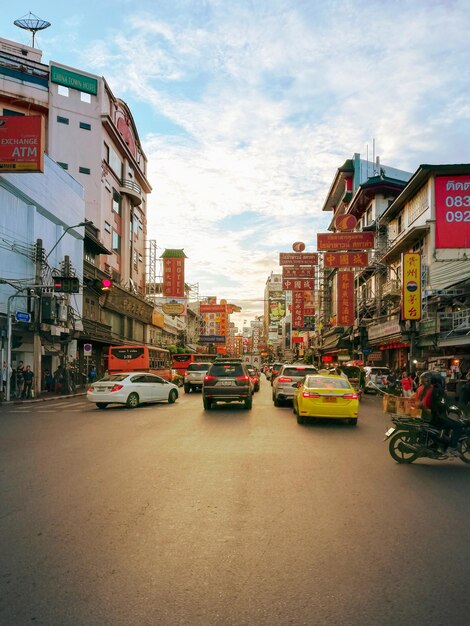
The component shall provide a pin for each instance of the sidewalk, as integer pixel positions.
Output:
(46, 396)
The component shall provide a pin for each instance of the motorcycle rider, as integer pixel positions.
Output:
(439, 415)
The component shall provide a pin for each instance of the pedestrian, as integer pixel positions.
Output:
(5, 373)
(92, 374)
(19, 379)
(28, 377)
(406, 384)
(49, 381)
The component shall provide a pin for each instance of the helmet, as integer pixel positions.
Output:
(426, 377)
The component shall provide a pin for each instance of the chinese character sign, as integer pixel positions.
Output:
(411, 286)
(452, 211)
(173, 277)
(297, 310)
(345, 299)
(345, 259)
(345, 241)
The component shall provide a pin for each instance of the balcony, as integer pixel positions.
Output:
(132, 190)
(391, 289)
(457, 323)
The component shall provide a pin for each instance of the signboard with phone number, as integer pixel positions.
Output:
(452, 195)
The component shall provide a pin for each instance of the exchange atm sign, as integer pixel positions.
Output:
(21, 143)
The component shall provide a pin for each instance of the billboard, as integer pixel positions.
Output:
(21, 143)
(411, 286)
(297, 310)
(298, 272)
(345, 241)
(173, 277)
(345, 299)
(452, 195)
(212, 308)
(212, 339)
(298, 258)
(346, 259)
(300, 284)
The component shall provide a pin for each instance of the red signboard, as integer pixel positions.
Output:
(452, 195)
(345, 241)
(298, 272)
(346, 259)
(173, 277)
(300, 258)
(301, 284)
(212, 308)
(345, 295)
(309, 310)
(297, 310)
(21, 143)
(297, 339)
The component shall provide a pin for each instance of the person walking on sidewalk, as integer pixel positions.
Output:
(406, 384)
(28, 377)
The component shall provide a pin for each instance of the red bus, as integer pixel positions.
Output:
(181, 361)
(140, 359)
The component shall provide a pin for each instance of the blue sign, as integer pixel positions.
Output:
(212, 339)
(366, 351)
(22, 317)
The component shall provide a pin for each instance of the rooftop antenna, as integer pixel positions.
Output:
(31, 22)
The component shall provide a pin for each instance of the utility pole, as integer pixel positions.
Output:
(37, 347)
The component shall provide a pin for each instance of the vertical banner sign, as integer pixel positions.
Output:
(173, 273)
(297, 310)
(452, 194)
(345, 299)
(411, 286)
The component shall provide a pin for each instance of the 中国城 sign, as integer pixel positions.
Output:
(411, 286)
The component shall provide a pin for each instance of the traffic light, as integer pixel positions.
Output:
(106, 284)
(100, 285)
(66, 284)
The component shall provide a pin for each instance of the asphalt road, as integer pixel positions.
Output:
(169, 514)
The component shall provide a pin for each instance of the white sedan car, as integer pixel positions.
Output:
(131, 389)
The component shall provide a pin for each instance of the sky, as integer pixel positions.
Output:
(246, 109)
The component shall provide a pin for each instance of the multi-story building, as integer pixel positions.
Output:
(91, 134)
(274, 312)
(364, 190)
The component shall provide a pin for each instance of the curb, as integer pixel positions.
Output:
(45, 399)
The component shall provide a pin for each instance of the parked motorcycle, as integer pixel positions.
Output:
(415, 438)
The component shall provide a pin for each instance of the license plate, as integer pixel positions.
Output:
(389, 432)
(225, 383)
(329, 399)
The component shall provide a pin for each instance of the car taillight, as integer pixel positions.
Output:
(209, 380)
(242, 380)
(284, 379)
(310, 394)
(117, 387)
(350, 396)
(90, 389)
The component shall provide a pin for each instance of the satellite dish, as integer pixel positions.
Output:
(31, 22)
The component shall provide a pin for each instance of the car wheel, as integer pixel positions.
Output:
(294, 409)
(187, 388)
(276, 402)
(132, 401)
(101, 405)
(172, 396)
(353, 421)
(207, 403)
(300, 419)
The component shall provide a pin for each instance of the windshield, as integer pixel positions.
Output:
(113, 377)
(198, 367)
(326, 382)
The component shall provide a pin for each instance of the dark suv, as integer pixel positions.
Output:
(227, 381)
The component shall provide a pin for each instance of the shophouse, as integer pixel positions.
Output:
(91, 134)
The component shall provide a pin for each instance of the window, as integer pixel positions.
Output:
(64, 166)
(63, 91)
(116, 242)
(10, 112)
(84, 170)
(62, 120)
(89, 257)
(85, 97)
(399, 225)
(116, 206)
(85, 126)
(106, 152)
(107, 227)
(115, 162)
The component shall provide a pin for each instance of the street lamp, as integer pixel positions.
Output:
(63, 235)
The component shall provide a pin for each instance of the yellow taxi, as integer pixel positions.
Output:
(326, 396)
